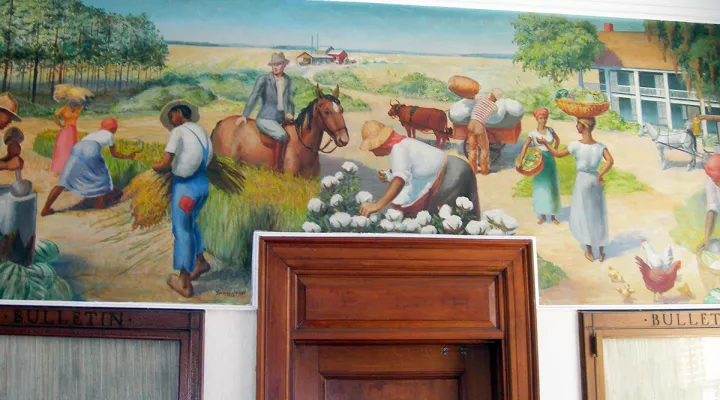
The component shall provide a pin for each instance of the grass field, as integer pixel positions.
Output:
(268, 201)
(617, 181)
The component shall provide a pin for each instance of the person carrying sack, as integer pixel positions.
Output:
(484, 108)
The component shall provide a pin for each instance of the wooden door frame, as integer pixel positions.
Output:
(508, 261)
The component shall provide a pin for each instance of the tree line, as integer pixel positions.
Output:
(63, 41)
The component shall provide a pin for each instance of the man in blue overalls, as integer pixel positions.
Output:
(187, 155)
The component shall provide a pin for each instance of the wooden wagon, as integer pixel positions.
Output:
(498, 138)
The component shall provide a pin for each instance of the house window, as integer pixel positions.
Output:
(624, 78)
(627, 109)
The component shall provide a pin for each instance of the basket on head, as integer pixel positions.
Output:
(534, 170)
(580, 109)
(463, 86)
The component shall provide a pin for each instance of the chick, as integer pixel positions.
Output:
(626, 292)
(614, 275)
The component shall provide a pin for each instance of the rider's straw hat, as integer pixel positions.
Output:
(374, 134)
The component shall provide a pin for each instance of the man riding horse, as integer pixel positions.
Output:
(277, 110)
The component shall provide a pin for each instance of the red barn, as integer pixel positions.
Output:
(338, 56)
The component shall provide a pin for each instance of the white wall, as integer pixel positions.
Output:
(230, 354)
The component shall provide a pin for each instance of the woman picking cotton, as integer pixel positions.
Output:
(86, 174)
(546, 184)
(421, 177)
(588, 209)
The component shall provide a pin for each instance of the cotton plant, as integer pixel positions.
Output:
(337, 209)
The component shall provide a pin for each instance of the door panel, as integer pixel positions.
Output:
(393, 372)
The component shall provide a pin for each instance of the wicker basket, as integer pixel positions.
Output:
(533, 171)
(463, 86)
(581, 110)
(709, 277)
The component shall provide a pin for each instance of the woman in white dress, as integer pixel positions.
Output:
(588, 210)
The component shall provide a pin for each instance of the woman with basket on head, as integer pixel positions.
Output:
(546, 182)
(588, 209)
(78, 98)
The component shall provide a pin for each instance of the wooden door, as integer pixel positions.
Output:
(366, 317)
(394, 372)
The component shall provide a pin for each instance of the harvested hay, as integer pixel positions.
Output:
(150, 192)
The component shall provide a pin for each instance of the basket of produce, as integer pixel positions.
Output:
(708, 259)
(463, 86)
(591, 105)
(532, 164)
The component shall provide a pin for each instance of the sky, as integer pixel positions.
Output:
(341, 25)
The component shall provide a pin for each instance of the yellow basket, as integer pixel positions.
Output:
(581, 110)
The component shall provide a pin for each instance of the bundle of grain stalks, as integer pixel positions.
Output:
(150, 191)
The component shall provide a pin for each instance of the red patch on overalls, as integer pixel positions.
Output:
(186, 204)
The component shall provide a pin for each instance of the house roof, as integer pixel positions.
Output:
(632, 50)
(303, 54)
(336, 52)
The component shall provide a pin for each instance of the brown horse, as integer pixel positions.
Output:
(246, 144)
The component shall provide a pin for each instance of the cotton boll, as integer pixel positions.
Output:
(461, 111)
(411, 226)
(495, 232)
(340, 176)
(363, 197)
(336, 200)
(423, 218)
(474, 228)
(311, 227)
(452, 224)
(349, 167)
(445, 211)
(394, 215)
(316, 206)
(428, 230)
(340, 220)
(509, 223)
(358, 221)
(464, 204)
(329, 182)
(513, 107)
(387, 226)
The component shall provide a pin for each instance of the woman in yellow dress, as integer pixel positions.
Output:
(67, 137)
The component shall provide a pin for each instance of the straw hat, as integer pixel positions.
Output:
(278, 58)
(165, 118)
(10, 105)
(374, 134)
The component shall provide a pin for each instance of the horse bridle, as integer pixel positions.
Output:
(327, 129)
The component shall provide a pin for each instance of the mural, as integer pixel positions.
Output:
(145, 143)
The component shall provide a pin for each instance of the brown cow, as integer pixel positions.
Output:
(423, 119)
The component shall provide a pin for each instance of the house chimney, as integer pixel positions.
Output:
(609, 28)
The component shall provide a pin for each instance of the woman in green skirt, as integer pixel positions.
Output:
(546, 184)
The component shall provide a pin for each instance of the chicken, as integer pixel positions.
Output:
(658, 280)
(656, 260)
(614, 275)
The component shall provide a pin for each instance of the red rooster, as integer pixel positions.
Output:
(658, 280)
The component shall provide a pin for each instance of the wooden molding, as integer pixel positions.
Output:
(396, 290)
(184, 326)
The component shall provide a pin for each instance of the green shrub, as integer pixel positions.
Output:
(344, 77)
(155, 98)
(690, 218)
(419, 85)
(612, 121)
(304, 93)
(233, 86)
(616, 181)
(549, 274)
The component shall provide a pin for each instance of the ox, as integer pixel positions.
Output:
(423, 119)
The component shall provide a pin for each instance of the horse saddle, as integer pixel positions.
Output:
(267, 140)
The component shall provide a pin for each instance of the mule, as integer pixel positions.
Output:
(678, 139)
(422, 119)
(246, 144)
